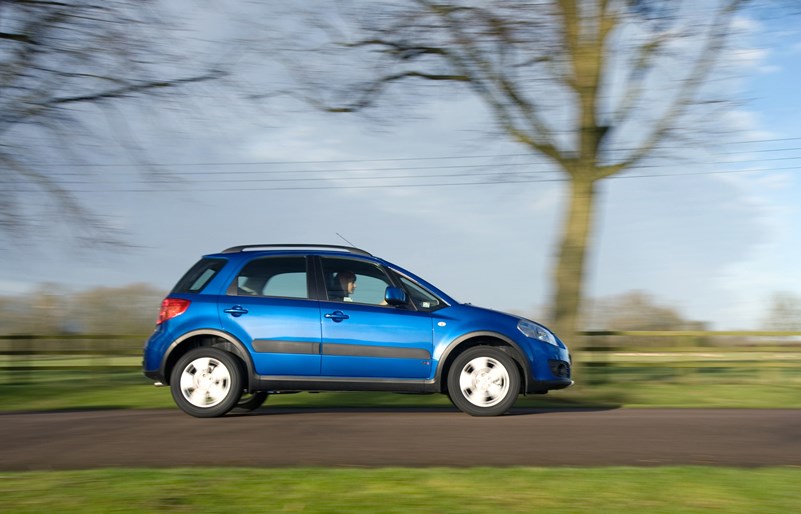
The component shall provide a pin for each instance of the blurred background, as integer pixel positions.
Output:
(627, 172)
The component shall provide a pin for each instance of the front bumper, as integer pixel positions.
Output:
(543, 386)
(155, 376)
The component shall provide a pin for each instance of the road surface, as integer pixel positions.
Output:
(410, 437)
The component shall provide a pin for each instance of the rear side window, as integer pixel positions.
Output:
(199, 276)
(283, 277)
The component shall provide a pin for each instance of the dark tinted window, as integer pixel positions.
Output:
(273, 276)
(199, 276)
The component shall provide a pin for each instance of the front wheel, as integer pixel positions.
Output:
(206, 382)
(252, 401)
(484, 381)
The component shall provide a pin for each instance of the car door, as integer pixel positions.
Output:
(270, 309)
(362, 336)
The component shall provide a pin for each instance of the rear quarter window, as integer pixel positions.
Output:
(199, 276)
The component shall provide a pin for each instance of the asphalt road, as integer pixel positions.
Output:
(376, 437)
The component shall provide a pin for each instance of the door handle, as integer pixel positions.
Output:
(236, 311)
(337, 316)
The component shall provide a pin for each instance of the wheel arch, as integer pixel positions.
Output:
(206, 337)
(480, 338)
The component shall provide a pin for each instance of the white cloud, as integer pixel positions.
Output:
(748, 52)
(746, 24)
(752, 59)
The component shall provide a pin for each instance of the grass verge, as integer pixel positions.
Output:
(128, 389)
(557, 490)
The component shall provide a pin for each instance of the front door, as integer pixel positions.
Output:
(364, 337)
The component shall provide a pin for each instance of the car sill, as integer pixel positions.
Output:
(288, 383)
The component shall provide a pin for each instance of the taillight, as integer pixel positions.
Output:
(172, 307)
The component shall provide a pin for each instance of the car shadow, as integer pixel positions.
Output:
(519, 411)
(526, 411)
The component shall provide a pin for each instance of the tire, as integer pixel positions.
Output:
(206, 382)
(252, 401)
(483, 381)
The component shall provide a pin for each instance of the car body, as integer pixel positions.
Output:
(260, 319)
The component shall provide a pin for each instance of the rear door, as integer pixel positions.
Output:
(270, 308)
(364, 337)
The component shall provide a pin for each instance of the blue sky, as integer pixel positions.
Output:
(714, 245)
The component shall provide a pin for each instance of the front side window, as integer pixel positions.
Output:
(283, 277)
(348, 280)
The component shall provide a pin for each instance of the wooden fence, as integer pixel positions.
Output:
(26, 354)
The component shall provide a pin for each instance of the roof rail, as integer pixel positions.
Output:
(351, 249)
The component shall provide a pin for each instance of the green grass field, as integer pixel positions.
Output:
(436, 490)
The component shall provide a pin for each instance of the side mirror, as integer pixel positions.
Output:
(395, 296)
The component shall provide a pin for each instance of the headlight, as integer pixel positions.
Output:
(534, 331)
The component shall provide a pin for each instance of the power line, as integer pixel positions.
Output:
(231, 173)
(254, 178)
(328, 179)
(504, 179)
(261, 163)
(344, 170)
(306, 179)
(394, 159)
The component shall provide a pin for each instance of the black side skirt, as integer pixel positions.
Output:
(279, 383)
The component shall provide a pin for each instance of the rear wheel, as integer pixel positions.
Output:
(483, 381)
(206, 382)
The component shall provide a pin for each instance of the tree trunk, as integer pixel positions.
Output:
(570, 269)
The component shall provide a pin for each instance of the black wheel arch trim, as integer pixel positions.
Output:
(236, 347)
(517, 354)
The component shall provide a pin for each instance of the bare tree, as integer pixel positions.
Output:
(53, 309)
(595, 86)
(784, 313)
(636, 310)
(57, 56)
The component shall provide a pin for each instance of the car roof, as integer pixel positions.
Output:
(297, 246)
(239, 252)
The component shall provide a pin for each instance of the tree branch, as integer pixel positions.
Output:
(373, 91)
(400, 50)
(23, 38)
(637, 75)
(132, 89)
(690, 86)
(496, 90)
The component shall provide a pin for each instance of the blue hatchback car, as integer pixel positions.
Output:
(260, 319)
